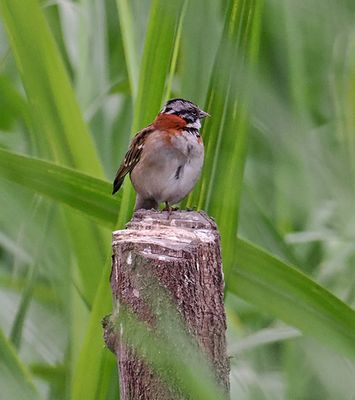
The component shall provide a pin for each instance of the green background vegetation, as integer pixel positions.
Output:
(77, 79)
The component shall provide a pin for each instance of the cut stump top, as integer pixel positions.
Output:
(173, 231)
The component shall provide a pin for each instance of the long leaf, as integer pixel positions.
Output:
(226, 132)
(88, 195)
(128, 38)
(283, 291)
(37, 244)
(162, 28)
(94, 361)
(55, 112)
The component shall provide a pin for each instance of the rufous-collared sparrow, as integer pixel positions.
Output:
(164, 159)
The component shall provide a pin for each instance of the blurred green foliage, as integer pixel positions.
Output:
(77, 79)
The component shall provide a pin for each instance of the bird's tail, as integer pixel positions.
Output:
(117, 183)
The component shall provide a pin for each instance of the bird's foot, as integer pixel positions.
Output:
(170, 209)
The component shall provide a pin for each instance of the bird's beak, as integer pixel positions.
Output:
(203, 114)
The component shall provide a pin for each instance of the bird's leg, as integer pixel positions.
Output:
(169, 209)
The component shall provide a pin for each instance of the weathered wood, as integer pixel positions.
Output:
(182, 253)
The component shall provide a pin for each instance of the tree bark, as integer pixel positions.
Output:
(177, 254)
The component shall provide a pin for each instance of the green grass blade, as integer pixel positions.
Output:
(195, 66)
(92, 55)
(175, 53)
(162, 28)
(169, 350)
(344, 98)
(277, 288)
(129, 44)
(226, 132)
(57, 121)
(15, 379)
(263, 337)
(296, 62)
(91, 196)
(93, 360)
(255, 224)
(43, 210)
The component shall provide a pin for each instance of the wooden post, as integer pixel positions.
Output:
(182, 253)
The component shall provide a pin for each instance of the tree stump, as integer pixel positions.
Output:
(177, 255)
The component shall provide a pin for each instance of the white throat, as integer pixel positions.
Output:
(195, 125)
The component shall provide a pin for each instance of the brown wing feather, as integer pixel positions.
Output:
(131, 158)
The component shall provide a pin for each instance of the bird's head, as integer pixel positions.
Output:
(187, 110)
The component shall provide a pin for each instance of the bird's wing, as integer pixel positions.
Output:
(131, 158)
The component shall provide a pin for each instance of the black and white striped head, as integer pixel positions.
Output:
(187, 110)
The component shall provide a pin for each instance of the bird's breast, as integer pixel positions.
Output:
(189, 144)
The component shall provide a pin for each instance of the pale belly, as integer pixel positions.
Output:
(181, 181)
(169, 173)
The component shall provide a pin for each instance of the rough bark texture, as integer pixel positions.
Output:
(181, 252)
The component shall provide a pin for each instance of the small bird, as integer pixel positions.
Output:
(165, 159)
